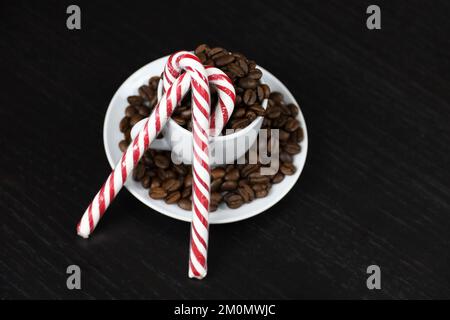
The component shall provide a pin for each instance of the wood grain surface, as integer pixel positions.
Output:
(375, 188)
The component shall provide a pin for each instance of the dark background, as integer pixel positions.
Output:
(375, 188)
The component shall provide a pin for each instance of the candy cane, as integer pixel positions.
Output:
(201, 174)
(131, 156)
(218, 79)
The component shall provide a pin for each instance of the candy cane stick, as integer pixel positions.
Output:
(201, 174)
(218, 79)
(131, 156)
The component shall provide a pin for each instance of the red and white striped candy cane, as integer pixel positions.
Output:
(131, 156)
(198, 250)
(218, 79)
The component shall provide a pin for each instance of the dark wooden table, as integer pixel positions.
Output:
(375, 188)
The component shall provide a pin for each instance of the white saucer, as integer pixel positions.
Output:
(112, 136)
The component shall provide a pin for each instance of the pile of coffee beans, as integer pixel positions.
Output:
(233, 184)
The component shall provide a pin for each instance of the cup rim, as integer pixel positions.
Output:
(242, 132)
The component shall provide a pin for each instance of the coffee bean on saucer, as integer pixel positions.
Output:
(285, 157)
(248, 83)
(217, 173)
(124, 124)
(224, 60)
(130, 111)
(287, 169)
(185, 204)
(135, 119)
(135, 100)
(261, 193)
(158, 193)
(143, 111)
(216, 185)
(234, 200)
(188, 181)
(139, 172)
(229, 185)
(292, 148)
(186, 192)
(171, 184)
(123, 145)
(246, 192)
(291, 125)
(277, 178)
(145, 181)
(232, 174)
(173, 197)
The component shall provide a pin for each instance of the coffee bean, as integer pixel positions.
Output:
(276, 97)
(135, 100)
(173, 197)
(215, 198)
(185, 204)
(294, 109)
(130, 111)
(257, 109)
(243, 65)
(145, 182)
(146, 92)
(280, 121)
(273, 112)
(283, 135)
(186, 192)
(135, 119)
(236, 70)
(157, 193)
(201, 49)
(217, 173)
(249, 97)
(153, 82)
(215, 51)
(247, 83)
(124, 124)
(171, 184)
(180, 169)
(232, 175)
(256, 177)
(249, 168)
(246, 193)
(228, 185)
(250, 115)
(224, 60)
(239, 123)
(291, 125)
(261, 193)
(139, 172)
(239, 112)
(300, 135)
(123, 145)
(188, 181)
(234, 200)
(255, 74)
(285, 157)
(161, 161)
(277, 178)
(212, 207)
(156, 182)
(292, 148)
(143, 111)
(288, 169)
(259, 186)
(179, 120)
(216, 185)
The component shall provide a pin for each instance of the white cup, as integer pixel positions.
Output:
(223, 149)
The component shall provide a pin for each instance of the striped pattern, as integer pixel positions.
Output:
(217, 79)
(131, 156)
(200, 163)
